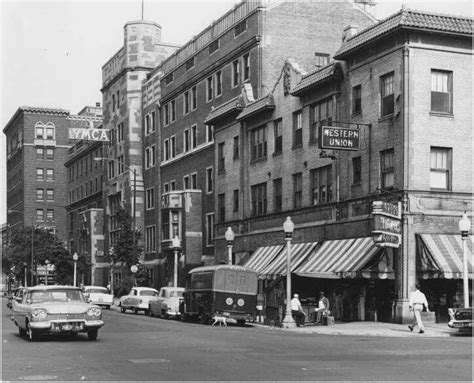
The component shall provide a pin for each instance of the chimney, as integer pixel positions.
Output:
(349, 31)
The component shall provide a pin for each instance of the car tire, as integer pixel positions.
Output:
(122, 309)
(21, 331)
(135, 310)
(164, 315)
(32, 335)
(241, 322)
(92, 335)
(184, 317)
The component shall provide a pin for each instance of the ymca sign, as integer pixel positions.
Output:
(89, 134)
(387, 230)
(337, 138)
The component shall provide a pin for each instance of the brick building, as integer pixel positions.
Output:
(203, 80)
(404, 85)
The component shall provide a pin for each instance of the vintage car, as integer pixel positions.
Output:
(17, 295)
(56, 310)
(138, 299)
(460, 318)
(167, 303)
(99, 296)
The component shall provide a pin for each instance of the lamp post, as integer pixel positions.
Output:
(229, 237)
(75, 258)
(134, 269)
(288, 227)
(176, 243)
(464, 226)
(46, 279)
(134, 198)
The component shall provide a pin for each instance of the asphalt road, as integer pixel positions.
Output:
(135, 347)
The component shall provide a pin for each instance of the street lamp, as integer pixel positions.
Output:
(229, 237)
(134, 197)
(176, 243)
(75, 258)
(464, 226)
(46, 279)
(134, 269)
(288, 227)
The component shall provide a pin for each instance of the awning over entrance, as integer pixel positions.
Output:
(262, 257)
(278, 267)
(381, 266)
(441, 256)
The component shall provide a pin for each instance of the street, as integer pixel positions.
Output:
(136, 347)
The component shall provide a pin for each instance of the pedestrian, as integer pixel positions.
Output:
(338, 307)
(323, 307)
(297, 310)
(416, 303)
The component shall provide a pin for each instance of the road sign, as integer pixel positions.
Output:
(337, 138)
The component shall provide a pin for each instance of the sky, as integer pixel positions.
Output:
(52, 51)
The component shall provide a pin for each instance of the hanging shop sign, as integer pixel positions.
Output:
(337, 138)
(89, 134)
(387, 224)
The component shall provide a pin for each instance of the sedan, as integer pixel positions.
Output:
(99, 296)
(56, 310)
(138, 299)
(167, 304)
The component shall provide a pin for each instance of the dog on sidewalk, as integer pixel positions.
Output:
(222, 320)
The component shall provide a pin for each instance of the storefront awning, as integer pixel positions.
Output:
(262, 257)
(278, 267)
(381, 267)
(361, 251)
(441, 256)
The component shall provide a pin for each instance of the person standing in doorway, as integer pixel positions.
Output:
(323, 307)
(416, 303)
(297, 310)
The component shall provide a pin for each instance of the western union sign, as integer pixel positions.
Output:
(337, 138)
(89, 134)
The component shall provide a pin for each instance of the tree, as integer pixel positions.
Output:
(123, 246)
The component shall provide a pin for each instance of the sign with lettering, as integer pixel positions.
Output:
(337, 138)
(388, 209)
(89, 134)
(387, 224)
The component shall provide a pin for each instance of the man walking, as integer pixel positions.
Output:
(416, 303)
(297, 310)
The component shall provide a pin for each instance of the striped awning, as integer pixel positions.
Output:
(262, 257)
(381, 267)
(357, 255)
(278, 267)
(441, 256)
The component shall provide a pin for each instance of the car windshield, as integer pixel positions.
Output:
(96, 290)
(176, 294)
(148, 293)
(63, 295)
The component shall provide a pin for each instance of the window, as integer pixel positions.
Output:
(297, 190)
(173, 146)
(209, 90)
(173, 110)
(321, 59)
(120, 164)
(236, 201)
(49, 153)
(246, 66)
(168, 78)
(147, 125)
(220, 157)
(277, 195)
(150, 157)
(166, 114)
(258, 143)
(356, 170)
(356, 99)
(235, 73)
(153, 122)
(278, 138)
(118, 99)
(39, 174)
(321, 185)
(193, 98)
(113, 103)
(209, 133)
(214, 46)
(173, 185)
(387, 171)
(297, 129)
(194, 181)
(236, 148)
(39, 153)
(190, 63)
(210, 233)
(111, 169)
(50, 174)
(441, 91)
(150, 238)
(186, 140)
(186, 102)
(186, 182)
(322, 113)
(386, 94)
(49, 133)
(259, 199)
(150, 198)
(440, 168)
(166, 187)
(39, 194)
(39, 214)
(39, 132)
(221, 207)
(218, 83)
(193, 136)
(50, 194)
(240, 28)
(50, 214)
(166, 149)
(209, 180)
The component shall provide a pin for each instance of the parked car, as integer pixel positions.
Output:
(99, 296)
(460, 318)
(167, 303)
(16, 295)
(56, 310)
(138, 299)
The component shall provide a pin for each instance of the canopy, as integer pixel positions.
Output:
(262, 257)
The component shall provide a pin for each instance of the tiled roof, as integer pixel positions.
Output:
(42, 109)
(232, 105)
(265, 102)
(314, 78)
(408, 18)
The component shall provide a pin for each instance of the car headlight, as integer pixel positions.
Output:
(38, 314)
(94, 312)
